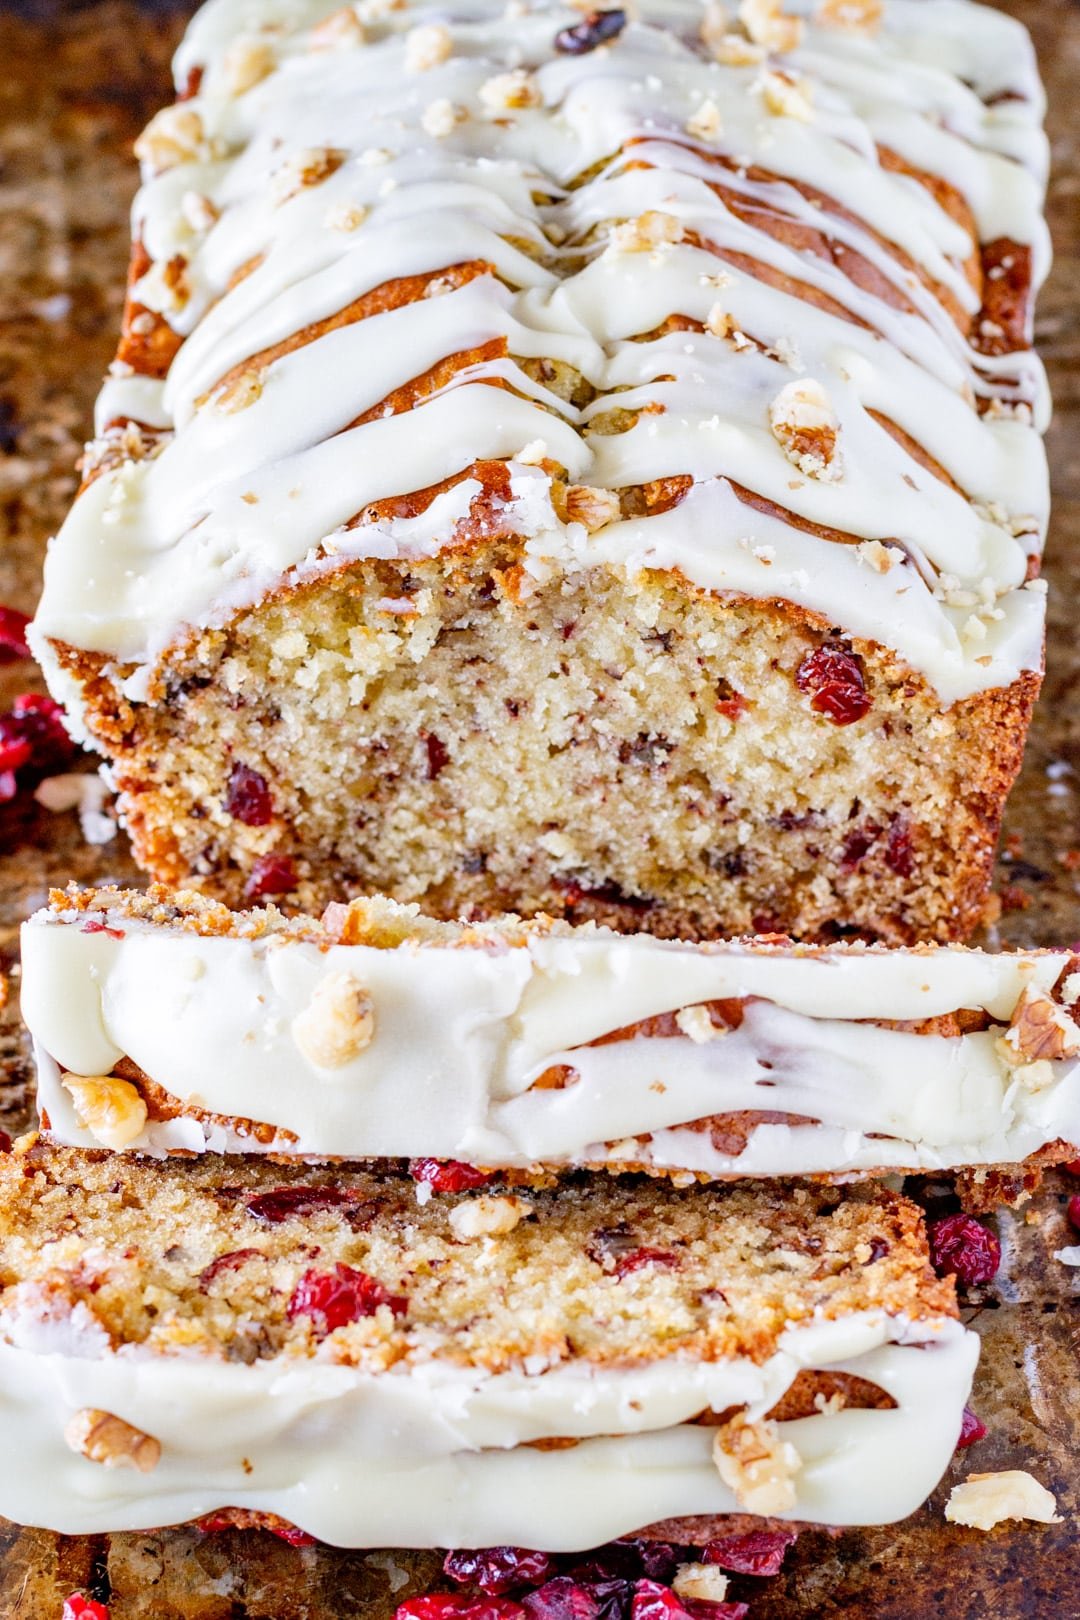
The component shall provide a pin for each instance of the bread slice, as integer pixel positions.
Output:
(550, 1371)
(572, 467)
(165, 1023)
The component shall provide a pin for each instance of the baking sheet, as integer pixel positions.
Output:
(77, 82)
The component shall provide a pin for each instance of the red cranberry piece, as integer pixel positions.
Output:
(13, 635)
(562, 1599)
(758, 1552)
(1073, 1167)
(334, 1298)
(659, 1559)
(448, 1175)
(635, 1259)
(963, 1246)
(496, 1570)
(972, 1428)
(35, 722)
(596, 29)
(293, 1534)
(5, 1142)
(249, 798)
(834, 675)
(212, 1524)
(457, 1606)
(77, 1607)
(227, 1262)
(701, 1609)
(899, 855)
(1072, 1210)
(270, 874)
(857, 845)
(438, 755)
(283, 1202)
(95, 926)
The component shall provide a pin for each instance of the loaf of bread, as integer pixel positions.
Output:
(551, 1371)
(580, 463)
(165, 1023)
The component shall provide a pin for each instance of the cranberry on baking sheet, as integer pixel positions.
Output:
(962, 1246)
(758, 1552)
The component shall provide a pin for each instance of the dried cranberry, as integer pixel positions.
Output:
(835, 677)
(962, 1246)
(595, 29)
(32, 736)
(448, 1175)
(857, 845)
(899, 856)
(249, 798)
(438, 755)
(291, 1533)
(212, 1524)
(270, 874)
(612, 1599)
(635, 1259)
(972, 1428)
(77, 1607)
(659, 1559)
(5, 1142)
(758, 1552)
(334, 1298)
(703, 1609)
(496, 1570)
(561, 1599)
(1073, 1167)
(283, 1202)
(13, 635)
(1072, 1210)
(227, 1262)
(457, 1606)
(96, 926)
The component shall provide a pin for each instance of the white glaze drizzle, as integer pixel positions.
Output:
(462, 1032)
(433, 1455)
(235, 502)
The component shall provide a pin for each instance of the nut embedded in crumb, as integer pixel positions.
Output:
(768, 25)
(984, 1500)
(487, 1216)
(426, 47)
(1039, 1029)
(109, 1108)
(705, 123)
(704, 1581)
(337, 1024)
(697, 1026)
(595, 508)
(650, 230)
(856, 14)
(756, 1464)
(804, 425)
(103, 1438)
(246, 63)
(506, 90)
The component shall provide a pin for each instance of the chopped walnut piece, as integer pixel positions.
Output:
(705, 123)
(697, 1026)
(109, 1108)
(703, 1581)
(714, 24)
(199, 211)
(345, 217)
(805, 427)
(165, 286)
(426, 47)
(718, 322)
(337, 1023)
(878, 557)
(595, 508)
(174, 135)
(440, 118)
(768, 25)
(984, 1500)
(652, 229)
(1039, 1030)
(240, 392)
(858, 14)
(246, 63)
(339, 31)
(786, 97)
(309, 167)
(103, 1438)
(487, 1216)
(733, 50)
(506, 90)
(756, 1464)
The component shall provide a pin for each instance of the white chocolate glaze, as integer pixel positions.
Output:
(463, 1031)
(233, 502)
(432, 1455)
